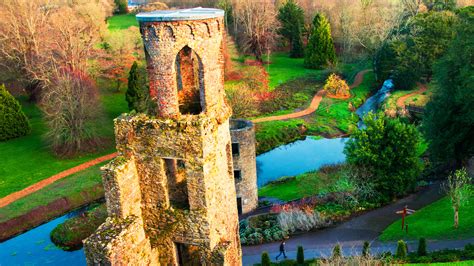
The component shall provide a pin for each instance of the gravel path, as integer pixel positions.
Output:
(401, 100)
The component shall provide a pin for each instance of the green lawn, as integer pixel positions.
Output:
(434, 222)
(282, 68)
(72, 187)
(27, 160)
(327, 179)
(334, 116)
(122, 22)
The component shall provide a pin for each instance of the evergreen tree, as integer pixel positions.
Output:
(320, 50)
(422, 247)
(136, 95)
(448, 121)
(336, 252)
(401, 250)
(300, 255)
(13, 122)
(366, 249)
(266, 259)
(291, 17)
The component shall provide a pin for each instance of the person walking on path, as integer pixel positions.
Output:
(282, 250)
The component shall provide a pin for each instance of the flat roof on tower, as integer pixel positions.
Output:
(180, 14)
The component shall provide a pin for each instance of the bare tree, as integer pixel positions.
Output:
(37, 36)
(23, 30)
(70, 107)
(458, 189)
(257, 25)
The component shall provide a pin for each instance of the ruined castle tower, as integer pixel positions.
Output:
(170, 194)
(242, 133)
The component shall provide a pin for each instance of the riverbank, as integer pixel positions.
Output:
(52, 201)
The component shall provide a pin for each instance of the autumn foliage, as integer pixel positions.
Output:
(337, 87)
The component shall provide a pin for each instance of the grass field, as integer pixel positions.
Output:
(27, 160)
(122, 22)
(327, 179)
(334, 116)
(71, 187)
(434, 222)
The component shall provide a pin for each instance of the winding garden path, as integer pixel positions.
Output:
(43, 183)
(401, 101)
(359, 78)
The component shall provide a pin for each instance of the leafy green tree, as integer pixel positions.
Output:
(410, 56)
(136, 94)
(448, 120)
(266, 259)
(431, 34)
(291, 17)
(458, 189)
(121, 6)
(320, 49)
(300, 255)
(13, 122)
(387, 151)
(440, 5)
(226, 5)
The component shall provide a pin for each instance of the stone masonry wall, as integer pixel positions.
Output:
(243, 133)
(152, 209)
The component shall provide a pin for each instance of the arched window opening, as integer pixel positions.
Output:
(189, 78)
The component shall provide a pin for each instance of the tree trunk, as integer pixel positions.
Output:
(456, 218)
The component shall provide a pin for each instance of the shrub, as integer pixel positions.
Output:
(121, 6)
(401, 250)
(300, 255)
(13, 122)
(336, 252)
(243, 101)
(69, 235)
(337, 87)
(259, 229)
(366, 249)
(266, 259)
(422, 247)
(469, 247)
(300, 219)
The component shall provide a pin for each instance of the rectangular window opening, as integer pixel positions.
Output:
(187, 254)
(237, 175)
(177, 183)
(235, 149)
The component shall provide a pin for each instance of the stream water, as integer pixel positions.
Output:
(35, 247)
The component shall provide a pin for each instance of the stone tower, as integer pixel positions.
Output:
(242, 133)
(170, 194)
